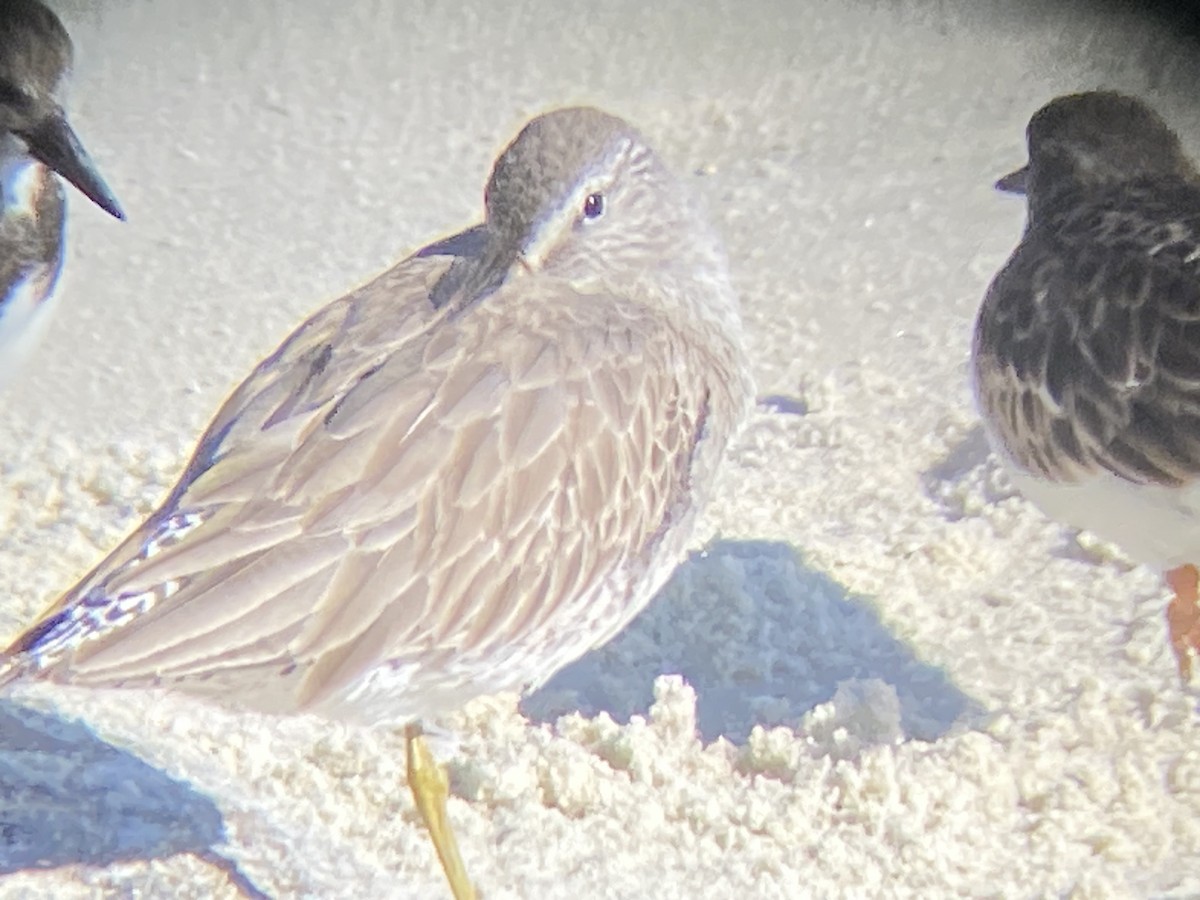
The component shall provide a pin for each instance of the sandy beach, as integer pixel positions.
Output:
(881, 674)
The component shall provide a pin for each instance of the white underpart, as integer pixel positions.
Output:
(24, 316)
(1156, 525)
(27, 306)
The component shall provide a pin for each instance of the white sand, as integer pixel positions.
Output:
(900, 679)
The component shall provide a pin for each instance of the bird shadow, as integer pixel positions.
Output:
(967, 477)
(69, 798)
(763, 639)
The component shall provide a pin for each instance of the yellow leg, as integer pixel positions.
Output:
(1183, 617)
(430, 787)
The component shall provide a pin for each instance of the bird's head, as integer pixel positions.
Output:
(1095, 139)
(35, 65)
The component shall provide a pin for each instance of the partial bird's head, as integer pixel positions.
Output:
(580, 194)
(1096, 139)
(35, 65)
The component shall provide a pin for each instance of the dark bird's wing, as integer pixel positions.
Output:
(1087, 347)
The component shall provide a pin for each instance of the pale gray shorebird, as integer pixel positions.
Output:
(1086, 354)
(450, 482)
(36, 142)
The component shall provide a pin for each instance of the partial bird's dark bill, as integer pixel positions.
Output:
(56, 145)
(471, 278)
(466, 243)
(1014, 182)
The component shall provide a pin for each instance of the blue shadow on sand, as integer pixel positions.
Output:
(69, 798)
(763, 639)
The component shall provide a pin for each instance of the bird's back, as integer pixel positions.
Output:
(1087, 346)
(406, 506)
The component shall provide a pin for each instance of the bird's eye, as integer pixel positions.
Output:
(593, 206)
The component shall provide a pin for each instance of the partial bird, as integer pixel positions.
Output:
(37, 146)
(452, 481)
(1086, 354)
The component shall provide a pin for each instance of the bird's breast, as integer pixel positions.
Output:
(23, 180)
(25, 311)
(31, 254)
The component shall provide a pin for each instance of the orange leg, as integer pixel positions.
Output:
(1183, 616)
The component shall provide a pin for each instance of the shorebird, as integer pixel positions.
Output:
(1086, 354)
(36, 141)
(450, 482)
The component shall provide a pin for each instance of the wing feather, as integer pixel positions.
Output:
(439, 494)
(1085, 347)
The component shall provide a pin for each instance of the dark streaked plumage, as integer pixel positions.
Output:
(452, 481)
(35, 141)
(1086, 357)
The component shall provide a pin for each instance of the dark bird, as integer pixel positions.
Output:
(37, 147)
(1086, 356)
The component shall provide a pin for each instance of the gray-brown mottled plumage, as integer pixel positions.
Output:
(453, 480)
